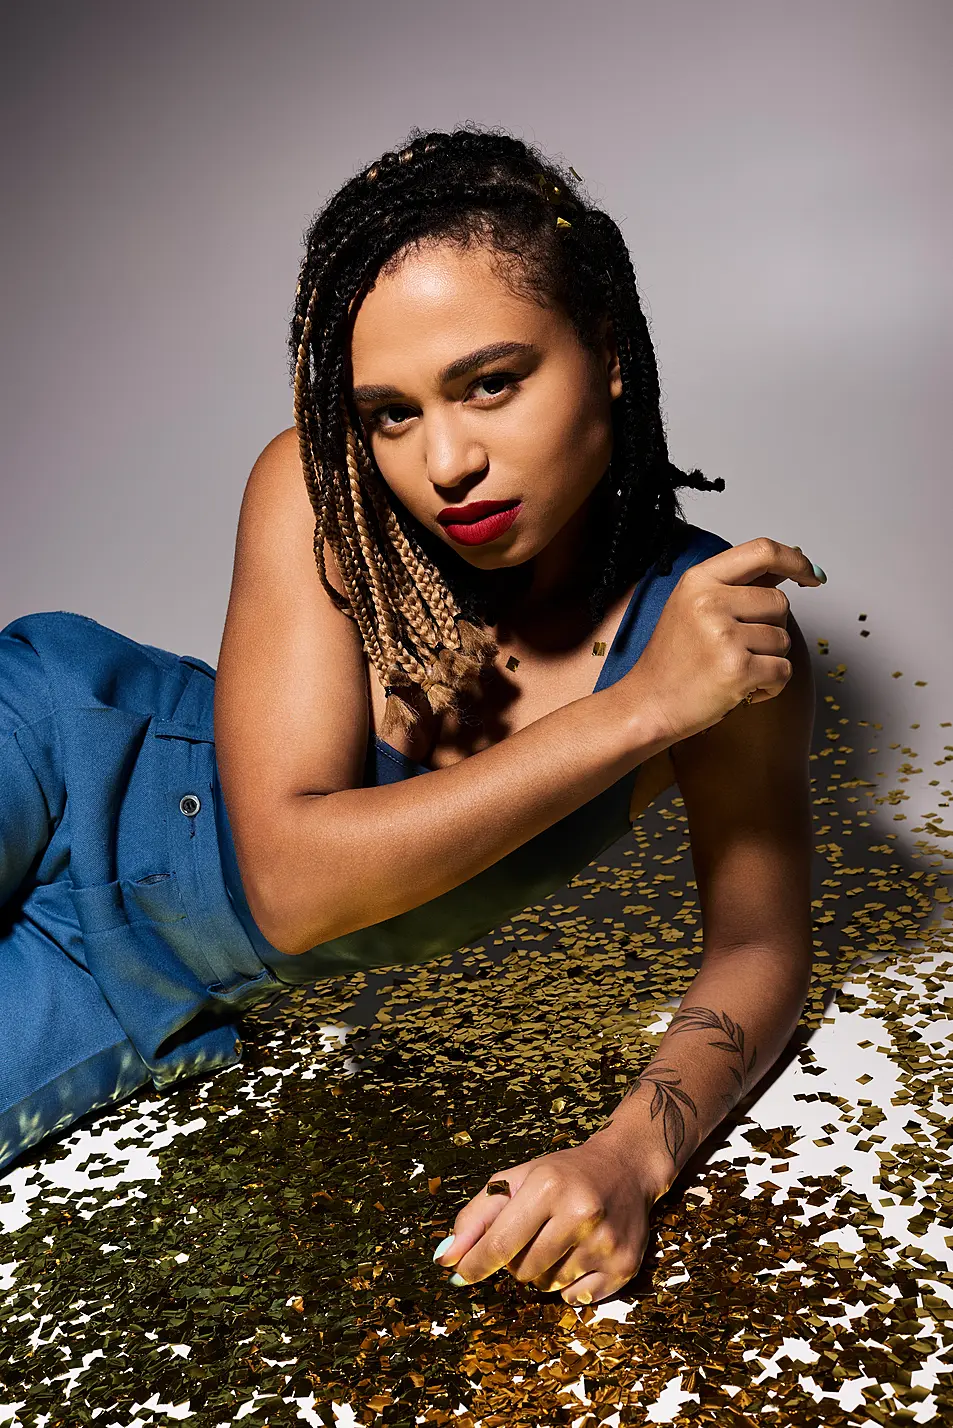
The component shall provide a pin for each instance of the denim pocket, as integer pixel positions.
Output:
(153, 898)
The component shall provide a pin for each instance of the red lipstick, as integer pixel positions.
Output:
(480, 521)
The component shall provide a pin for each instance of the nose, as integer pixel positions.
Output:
(452, 455)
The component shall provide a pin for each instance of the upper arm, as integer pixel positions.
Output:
(291, 690)
(746, 787)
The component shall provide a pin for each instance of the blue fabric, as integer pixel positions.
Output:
(121, 958)
(127, 947)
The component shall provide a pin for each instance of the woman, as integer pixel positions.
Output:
(484, 577)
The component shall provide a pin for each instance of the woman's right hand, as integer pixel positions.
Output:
(721, 635)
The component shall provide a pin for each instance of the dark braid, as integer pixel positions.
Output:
(422, 610)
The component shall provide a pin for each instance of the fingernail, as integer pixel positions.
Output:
(457, 1281)
(819, 573)
(443, 1246)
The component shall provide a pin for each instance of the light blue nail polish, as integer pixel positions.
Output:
(443, 1246)
(456, 1280)
(819, 573)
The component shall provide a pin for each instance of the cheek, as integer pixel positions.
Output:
(398, 468)
(571, 447)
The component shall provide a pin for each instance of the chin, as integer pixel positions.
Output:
(482, 558)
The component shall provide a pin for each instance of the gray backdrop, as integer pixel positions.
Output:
(781, 173)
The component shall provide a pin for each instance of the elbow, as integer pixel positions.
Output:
(283, 935)
(274, 914)
(291, 933)
(271, 886)
(292, 910)
(276, 921)
(290, 926)
(278, 934)
(266, 915)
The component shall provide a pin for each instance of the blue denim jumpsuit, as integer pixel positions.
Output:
(127, 948)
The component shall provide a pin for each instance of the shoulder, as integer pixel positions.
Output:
(279, 462)
(276, 506)
(276, 482)
(692, 544)
(277, 474)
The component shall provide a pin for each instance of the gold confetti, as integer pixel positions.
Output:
(529, 1037)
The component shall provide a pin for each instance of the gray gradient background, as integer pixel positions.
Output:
(780, 171)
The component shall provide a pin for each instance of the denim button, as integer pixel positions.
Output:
(189, 804)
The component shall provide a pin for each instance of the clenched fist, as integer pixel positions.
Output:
(721, 636)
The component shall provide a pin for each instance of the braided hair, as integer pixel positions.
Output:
(422, 611)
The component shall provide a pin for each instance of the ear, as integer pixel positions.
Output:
(610, 361)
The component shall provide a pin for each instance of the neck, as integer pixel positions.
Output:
(563, 573)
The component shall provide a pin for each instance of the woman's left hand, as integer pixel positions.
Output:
(575, 1221)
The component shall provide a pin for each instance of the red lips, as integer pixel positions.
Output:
(475, 511)
(480, 521)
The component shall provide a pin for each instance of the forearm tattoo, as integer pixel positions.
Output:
(667, 1102)
(701, 1019)
(669, 1097)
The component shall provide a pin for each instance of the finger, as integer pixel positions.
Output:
(552, 1260)
(473, 1222)
(519, 1222)
(589, 1288)
(756, 559)
(768, 676)
(597, 1280)
(767, 640)
(757, 604)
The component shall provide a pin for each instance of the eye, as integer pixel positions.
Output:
(508, 379)
(505, 381)
(376, 420)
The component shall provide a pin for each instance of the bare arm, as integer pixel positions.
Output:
(746, 786)
(577, 1220)
(319, 855)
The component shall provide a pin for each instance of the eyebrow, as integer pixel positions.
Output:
(462, 367)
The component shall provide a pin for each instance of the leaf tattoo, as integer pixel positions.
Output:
(667, 1102)
(702, 1019)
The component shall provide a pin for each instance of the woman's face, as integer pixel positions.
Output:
(526, 428)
